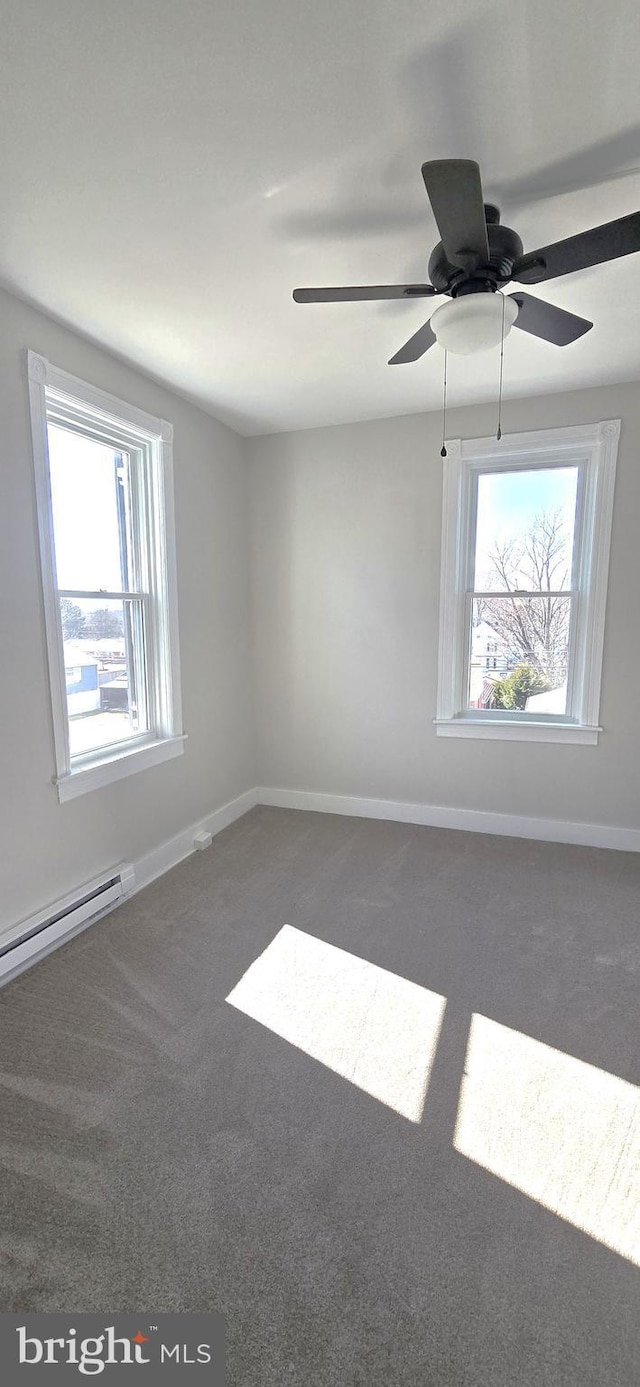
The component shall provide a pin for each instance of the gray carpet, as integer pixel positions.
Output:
(161, 1149)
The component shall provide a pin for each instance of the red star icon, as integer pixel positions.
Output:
(140, 1338)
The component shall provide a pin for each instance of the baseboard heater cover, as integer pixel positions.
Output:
(30, 941)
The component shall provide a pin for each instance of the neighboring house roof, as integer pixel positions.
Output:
(554, 701)
(482, 635)
(75, 654)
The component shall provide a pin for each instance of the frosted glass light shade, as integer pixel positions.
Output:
(473, 323)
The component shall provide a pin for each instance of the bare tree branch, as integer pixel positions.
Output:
(534, 629)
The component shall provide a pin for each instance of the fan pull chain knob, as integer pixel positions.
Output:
(443, 451)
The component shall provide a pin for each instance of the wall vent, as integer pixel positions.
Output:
(29, 941)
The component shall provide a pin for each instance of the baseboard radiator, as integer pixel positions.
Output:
(30, 941)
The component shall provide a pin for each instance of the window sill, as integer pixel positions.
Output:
(498, 730)
(116, 766)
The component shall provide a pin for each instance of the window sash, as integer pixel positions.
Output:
(135, 614)
(467, 556)
(503, 594)
(521, 715)
(76, 420)
(525, 465)
(96, 594)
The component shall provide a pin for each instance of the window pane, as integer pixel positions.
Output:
(525, 529)
(91, 510)
(519, 654)
(104, 668)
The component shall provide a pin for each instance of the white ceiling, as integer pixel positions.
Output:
(171, 170)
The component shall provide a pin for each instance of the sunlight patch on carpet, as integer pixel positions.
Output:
(561, 1131)
(370, 1026)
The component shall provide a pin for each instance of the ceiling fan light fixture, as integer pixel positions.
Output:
(474, 322)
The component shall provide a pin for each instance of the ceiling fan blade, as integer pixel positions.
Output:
(415, 347)
(351, 293)
(594, 247)
(545, 320)
(455, 193)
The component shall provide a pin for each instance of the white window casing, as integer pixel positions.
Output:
(59, 398)
(592, 448)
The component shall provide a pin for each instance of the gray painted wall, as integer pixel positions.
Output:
(339, 529)
(46, 848)
(346, 554)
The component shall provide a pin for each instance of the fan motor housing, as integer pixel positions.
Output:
(505, 247)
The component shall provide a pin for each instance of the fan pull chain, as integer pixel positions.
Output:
(443, 451)
(499, 433)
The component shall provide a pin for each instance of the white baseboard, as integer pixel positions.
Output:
(155, 863)
(470, 820)
(36, 946)
(161, 859)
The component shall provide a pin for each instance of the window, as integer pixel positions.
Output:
(105, 514)
(525, 555)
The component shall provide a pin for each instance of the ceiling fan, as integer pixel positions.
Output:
(477, 256)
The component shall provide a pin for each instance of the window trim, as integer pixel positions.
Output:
(596, 446)
(105, 765)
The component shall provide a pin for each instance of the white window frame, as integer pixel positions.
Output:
(106, 418)
(593, 448)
